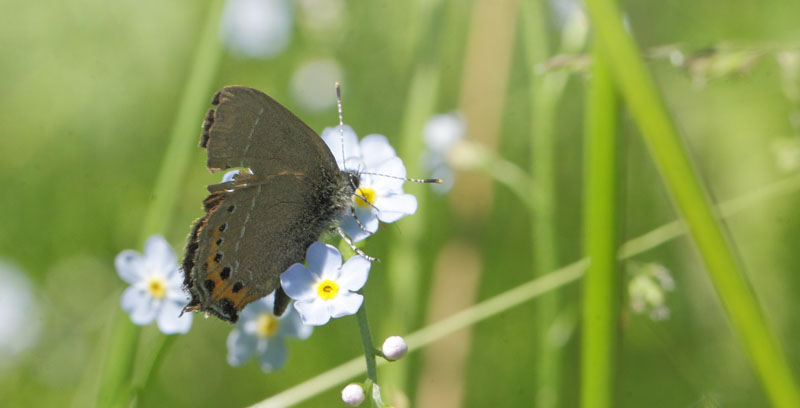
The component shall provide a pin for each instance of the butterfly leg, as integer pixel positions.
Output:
(355, 249)
(360, 225)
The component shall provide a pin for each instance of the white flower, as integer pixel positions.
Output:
(385, 200)
(256, 28)
(441, 133)
(260, 331)
(326, 288)
(156, 290)
(20, 316)
(353, 395)
(394, 348)
(647, 290)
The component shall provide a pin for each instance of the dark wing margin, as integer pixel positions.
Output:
(250, 129)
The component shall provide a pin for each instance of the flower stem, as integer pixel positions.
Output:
(681, 178)
(366, 341)
(601, 285)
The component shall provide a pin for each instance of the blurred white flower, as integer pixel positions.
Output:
(647, 289)
(256, 28)
(259, 331)
(442, 133)
(353, 395)
(312, 84)
(394, 348)
(375, 159)
(156, 291)
(326, 288)
(20, 316)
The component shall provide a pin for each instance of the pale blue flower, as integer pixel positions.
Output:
(260, 332)
(257, 28)
(385, 200)
(156, 291)
(441, 134)
(326, 288)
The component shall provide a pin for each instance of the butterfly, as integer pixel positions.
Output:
(262, 221)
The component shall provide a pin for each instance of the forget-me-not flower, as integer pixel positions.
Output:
(326, 288)
(380, 194)
(260, 332)
(156, 291)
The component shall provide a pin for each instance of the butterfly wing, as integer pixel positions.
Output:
(250, 129)
(259, 224)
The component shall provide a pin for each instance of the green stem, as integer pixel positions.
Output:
(601, 285)
(369, 355)
(366, 341)
(644, 102)
(493, 306)
(119, 362)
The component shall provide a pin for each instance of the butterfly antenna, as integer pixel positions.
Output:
(341, 119)
(413, 180)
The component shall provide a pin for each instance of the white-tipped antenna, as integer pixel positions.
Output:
(341, 119)
(413, 180)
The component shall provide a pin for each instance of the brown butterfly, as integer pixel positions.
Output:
(261, 222)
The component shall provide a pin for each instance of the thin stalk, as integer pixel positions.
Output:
(601, 285)
(366, 341)
(545, 94)
(644, 102)
(119, 362)
(505, 301)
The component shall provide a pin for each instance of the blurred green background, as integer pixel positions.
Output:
(90, 94)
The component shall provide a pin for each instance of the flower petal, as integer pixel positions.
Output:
(354, 273)
(322, 257)
(130, 266)
(333, 138)
(346, 303)
(240, 347)
(141, 307)
(443, 130)
(367, 218)
(392, 208)
(391, 167)
(171, 320)
(375, 149)
(292, 325)
(274, 356)
(312, 312)
(299, 283)
(159, 254)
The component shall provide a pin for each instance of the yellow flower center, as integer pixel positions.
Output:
(267, 325)
(157, 287)
(328, 289)
(362, 194)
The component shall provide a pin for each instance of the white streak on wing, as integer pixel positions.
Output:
(252, 131)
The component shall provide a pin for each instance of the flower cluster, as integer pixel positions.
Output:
(324, 287)
(647, 289)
